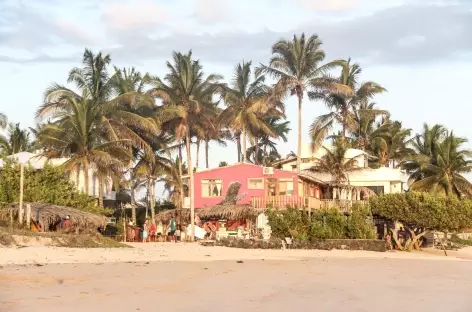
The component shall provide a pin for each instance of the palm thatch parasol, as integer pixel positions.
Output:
(166, 215)
(48, 215)
(232, 212)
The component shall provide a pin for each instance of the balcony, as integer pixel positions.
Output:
(313, 203)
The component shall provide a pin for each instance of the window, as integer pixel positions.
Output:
(285, 187)
(212, 188)
(255, 183)
(379, 190)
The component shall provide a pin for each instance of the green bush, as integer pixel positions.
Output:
(420, 212)
(328, 244)
(49, 185)
(323, 224)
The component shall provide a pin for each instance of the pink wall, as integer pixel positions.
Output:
(240, 173)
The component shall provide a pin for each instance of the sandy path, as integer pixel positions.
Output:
(331, 284)
(181, 252)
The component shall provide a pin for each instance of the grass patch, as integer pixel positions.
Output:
(10, 237)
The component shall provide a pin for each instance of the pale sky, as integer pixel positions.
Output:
(420, 50)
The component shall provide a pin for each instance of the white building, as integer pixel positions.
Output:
(382, 180)
(37, 162)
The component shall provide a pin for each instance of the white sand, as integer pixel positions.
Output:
(151, 252)
(317, 284)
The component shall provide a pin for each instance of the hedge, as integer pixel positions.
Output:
(324, 244)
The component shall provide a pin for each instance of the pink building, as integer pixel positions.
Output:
(254, 185)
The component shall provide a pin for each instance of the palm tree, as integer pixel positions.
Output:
(296, 66)
(335, 162)
(343, 108)
(173, 183)
(368, 120)
(152, 165)
(264, 150)
(439, 163)
(3, 121)
(17, 140)
(389, 143)
(96, 126)
(77, 132)
(186, 91)
(246, 102)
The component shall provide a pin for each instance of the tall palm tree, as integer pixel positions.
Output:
(296, 66)
(343, 107)
(439, 163)
(247, 100)
(16, 140)
(186, 91)
(368, 120)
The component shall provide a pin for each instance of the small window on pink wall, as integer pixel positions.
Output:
(212, 187)
(255, 183)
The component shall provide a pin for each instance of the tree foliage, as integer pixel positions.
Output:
(49, 185)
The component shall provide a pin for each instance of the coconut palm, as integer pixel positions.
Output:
(439, 163)
(344, 108)
(264, 150)
(152, 165)
(16, 140)
(388, 143)
(247, 101)
(186, 91)
(335, 162)
(296, 66)
(77, 132)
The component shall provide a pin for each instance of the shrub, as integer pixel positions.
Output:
(49, 185)
(323, 224)
(328, 244)
(420, 212)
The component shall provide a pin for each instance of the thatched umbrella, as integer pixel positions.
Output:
(232, 212)
(48, 215)
(164, 216)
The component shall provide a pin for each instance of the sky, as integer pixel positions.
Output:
(419, 50)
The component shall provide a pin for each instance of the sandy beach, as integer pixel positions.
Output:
(190, 277)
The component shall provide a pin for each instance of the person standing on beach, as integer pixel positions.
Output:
(172, 228)
(145, 231)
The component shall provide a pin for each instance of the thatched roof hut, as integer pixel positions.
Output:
(48, 215)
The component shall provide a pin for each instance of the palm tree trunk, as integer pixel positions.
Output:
(133, 205)
(152, 199)
(299, 153)
(181, 189)
(197, 154)
(238, 144)
(77, 179)
(86, 177)
(256, 151)
(206, 153)
(100, 191)
(191, 187)
(243, 139)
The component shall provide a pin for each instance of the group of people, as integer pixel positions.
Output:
(150, 230)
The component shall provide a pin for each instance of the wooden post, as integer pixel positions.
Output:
(28, 215)
(20, 208)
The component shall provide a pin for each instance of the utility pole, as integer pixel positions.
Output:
(20, 208)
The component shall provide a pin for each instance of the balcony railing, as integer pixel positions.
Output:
(282, 202)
